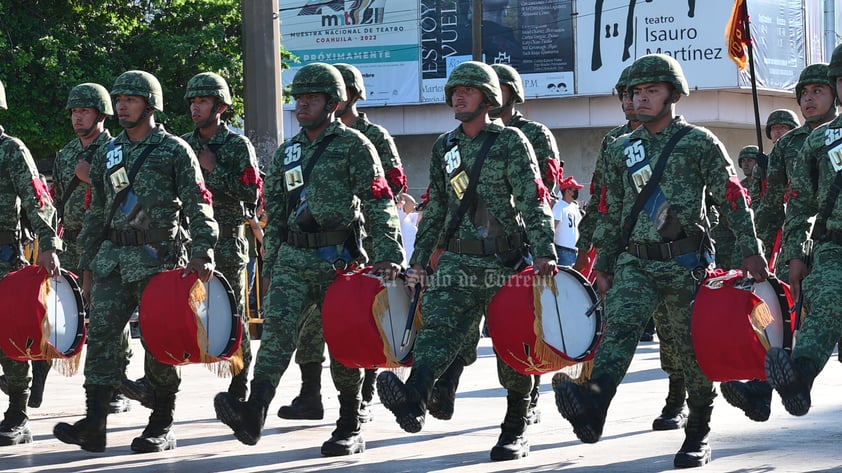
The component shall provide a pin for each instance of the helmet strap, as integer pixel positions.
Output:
(481, 109)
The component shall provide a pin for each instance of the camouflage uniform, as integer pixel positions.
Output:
(727, 252)
(235, 184)
(645, 274)
(20, 188)
(123, 258)
(812, 181)
(300, 254)
(510, 187)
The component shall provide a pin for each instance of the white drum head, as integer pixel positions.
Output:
(775, 331)
(216, 315)
(566, 327)
(395, 319)
(63, 314)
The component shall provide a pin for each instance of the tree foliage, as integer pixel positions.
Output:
(49, 46)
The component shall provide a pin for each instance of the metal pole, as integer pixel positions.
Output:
(262, 70)
(476, 30)
(829, 28)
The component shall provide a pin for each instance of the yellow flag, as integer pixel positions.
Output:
(737, 35)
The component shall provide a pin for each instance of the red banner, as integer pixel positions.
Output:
(737, 35)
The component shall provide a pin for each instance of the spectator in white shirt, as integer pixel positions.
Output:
(567, 216)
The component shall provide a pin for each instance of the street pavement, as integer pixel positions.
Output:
(782, 444)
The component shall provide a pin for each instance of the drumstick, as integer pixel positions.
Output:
(593, 308)
(413, 306)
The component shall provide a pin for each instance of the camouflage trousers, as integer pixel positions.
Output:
(311, 338)
(669, 353)
(112, 304)
(640, 286)
(458, 295)
(231, 260)
(18, 375)
(822, 327)
(299, 280)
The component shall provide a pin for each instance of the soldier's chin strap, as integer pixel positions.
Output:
(824, 118)
(664, 110)
(468, 116)
(348, 105)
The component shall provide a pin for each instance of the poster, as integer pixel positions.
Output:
(611, 34)
(533, 36)
(380, 37)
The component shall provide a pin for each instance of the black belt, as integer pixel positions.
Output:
(70, 235)
(140, 238)
(834, 236)
(486, 246)
(317, 240)
(232, 231)
(665, 251)
(8, 238)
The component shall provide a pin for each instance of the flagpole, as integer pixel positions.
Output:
(752, 74)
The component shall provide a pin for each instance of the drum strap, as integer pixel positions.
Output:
(470, 195)
(295, 194)
(124, 192)
(651, 184)
(74, 183)
(820, 228)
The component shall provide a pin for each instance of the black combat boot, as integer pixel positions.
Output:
(346, 439)
(673, 415)
(695, 450)
(140, 390)
(89, 432)
(158, 435)
(245, 418)
(40, 368)
(408, 402)
(14, 428)
(512, 443)
(585, 406)
(443, 398)
(368, 395)
(119, 404)
(533, 414)
(793, 380)
(308, 403)
(753, 397)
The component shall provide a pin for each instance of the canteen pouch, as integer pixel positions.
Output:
(354, 243)
(134, 213)
(304, 217)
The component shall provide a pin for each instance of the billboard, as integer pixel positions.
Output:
(380, 37)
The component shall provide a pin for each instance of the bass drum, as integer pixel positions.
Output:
(540, 325)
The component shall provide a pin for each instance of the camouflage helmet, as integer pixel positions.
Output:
(812, 74)
(508, 75)
(478, 75)
(90, 95)
(622, 82)
(353, 79)
(3, 105)
(748, 152)
(658, 68)
(834, 69)
(319, 77)
(208, 84)
(142, 84)
(781, 116)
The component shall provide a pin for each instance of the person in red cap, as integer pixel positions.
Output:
(567, 216)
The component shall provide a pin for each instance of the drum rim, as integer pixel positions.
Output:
(598, 313)
(236, 335)
(81, 329)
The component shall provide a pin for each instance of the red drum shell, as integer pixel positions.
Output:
(562, 336)
(731, 327)
(42, 317)
(177, 331)
(364, 321)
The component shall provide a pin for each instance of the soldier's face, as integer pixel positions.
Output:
(747, 165)
(777, 131)
(467, 101)
(130, 109)
(628, 105)
(651, 100)
(84, 120)
(311, 109)
(816, 100)
(203, 111)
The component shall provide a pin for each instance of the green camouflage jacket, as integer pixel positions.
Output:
(346, 181)
(510, 171)
(64, 173)
(169, 183)
(545, 147)
(386, 150)
(698, 164)
(811, 180)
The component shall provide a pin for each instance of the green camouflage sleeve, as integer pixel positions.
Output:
(196, 200)
(531, 195)
(546, 152)
(241, 181)
(769, 211)
(32, 191)
(808, 188)
(432, 223)
(607, 232)
(275, 201)
(370, 185)
(389, 157)
(588, 224)
(92, 235)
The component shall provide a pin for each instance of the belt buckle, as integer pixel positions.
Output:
(459, 246)
(669, 250)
